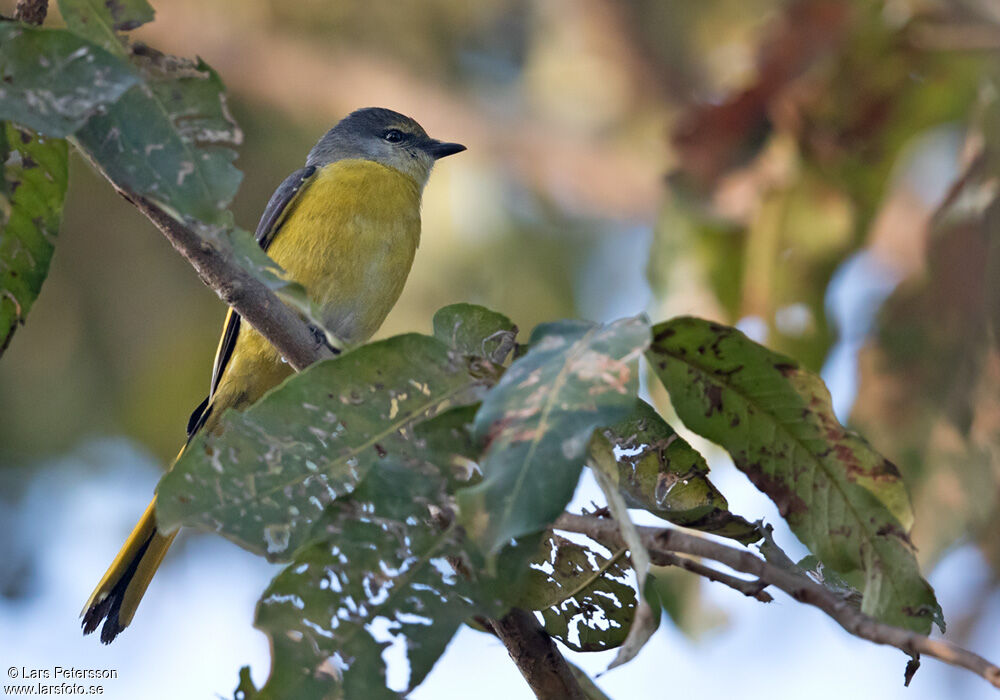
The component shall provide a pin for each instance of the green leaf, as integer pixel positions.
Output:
(658, 470)
(171, 138)
(31, 203)
(382, 572)
(538, 421)
(845, 502)
(265, 475)
(586, 599)
(475, 330)
(100, 20)
(448, 443)
(52, 81)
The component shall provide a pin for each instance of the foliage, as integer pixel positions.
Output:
(585, 598)
(659, 471)
(537, 423)
(265, 477)
(413, 484)
(379, 569)
(156, 125)
(31, 202)
(55, 81)
(845, 502)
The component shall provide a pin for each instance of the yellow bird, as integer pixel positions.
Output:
(346, 226)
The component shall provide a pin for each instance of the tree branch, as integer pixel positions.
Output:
(248, 296)
(537, 657)
(31, 11)
(802, 589)
(751, 589)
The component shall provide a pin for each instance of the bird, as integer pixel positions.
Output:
(346, 226)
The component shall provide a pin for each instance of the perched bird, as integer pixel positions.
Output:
(346, 226)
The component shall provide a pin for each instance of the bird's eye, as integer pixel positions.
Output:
(393, 136)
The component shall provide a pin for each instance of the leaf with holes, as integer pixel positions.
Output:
(31, 204)
(538, 420)
(170, 139)
(380, 573)
(265, 475)
(586, 599)
(658, 470)
(845, 502)
(53, 81)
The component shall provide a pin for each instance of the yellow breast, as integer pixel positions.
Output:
(349, 238)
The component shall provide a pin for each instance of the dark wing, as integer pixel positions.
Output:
(270, 224)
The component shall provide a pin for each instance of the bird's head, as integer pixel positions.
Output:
(386, 137)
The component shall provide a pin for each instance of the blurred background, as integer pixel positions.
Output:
(822, 173)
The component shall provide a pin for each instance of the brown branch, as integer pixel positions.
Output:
(537, 657)
(31, 11)
(751, 589)
(257, 304)
(797, 586)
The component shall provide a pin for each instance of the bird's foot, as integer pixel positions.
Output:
(323, 338)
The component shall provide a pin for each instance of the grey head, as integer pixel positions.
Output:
(383, 136)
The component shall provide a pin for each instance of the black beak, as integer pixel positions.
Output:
(438, 149)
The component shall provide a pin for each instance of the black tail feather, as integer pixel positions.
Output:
(109, 608)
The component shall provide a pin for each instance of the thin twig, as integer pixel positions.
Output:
(797, 586)
(537, 657)
(31, 11)
(751, 589)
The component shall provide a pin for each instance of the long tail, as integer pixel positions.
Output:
(118, 594)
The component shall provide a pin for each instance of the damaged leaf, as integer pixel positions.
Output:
(265, 475)
(171, 138)
(52, 81)
(658, 470)
(380, 573)
(538, 421)
(586, 599)
(31, 203)
(101, 20)
(475, 330)
(647, 613)
(845, 502)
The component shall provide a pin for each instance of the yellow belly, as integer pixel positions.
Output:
(349, 238)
